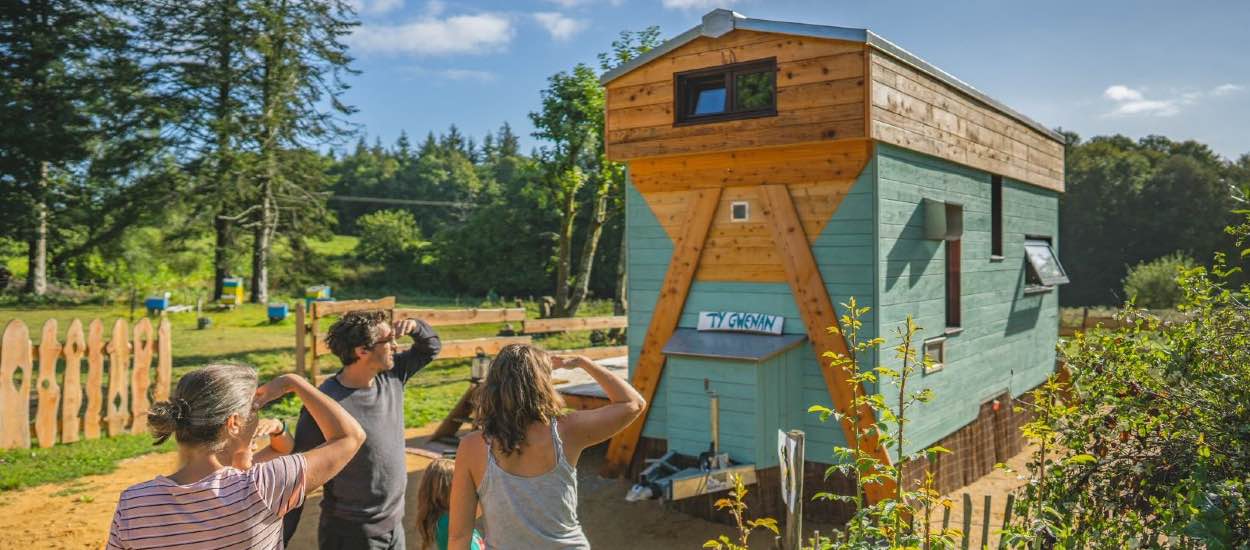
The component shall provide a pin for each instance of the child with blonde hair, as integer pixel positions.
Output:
(434, 504)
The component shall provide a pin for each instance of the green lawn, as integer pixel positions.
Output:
(245, 335)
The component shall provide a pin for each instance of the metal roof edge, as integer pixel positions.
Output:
(721, 21)
(668, 46)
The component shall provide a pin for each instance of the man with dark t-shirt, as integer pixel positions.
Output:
(363, 506)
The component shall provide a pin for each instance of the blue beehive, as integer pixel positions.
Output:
(277, 312)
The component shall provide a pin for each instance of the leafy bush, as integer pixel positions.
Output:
(1149, 443)
(388, 236)
(1153, 284)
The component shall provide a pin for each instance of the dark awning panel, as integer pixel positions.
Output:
(730, 345)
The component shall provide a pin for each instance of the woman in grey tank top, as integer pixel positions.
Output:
(520, 469)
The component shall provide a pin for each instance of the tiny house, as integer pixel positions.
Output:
(776, 170)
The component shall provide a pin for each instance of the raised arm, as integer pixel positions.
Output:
(343, 434)
(425, 347)
(585, 428)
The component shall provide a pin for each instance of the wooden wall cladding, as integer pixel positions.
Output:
(819, 175)
(820, 97)
(913, 110)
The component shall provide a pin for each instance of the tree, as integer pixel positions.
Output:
(74, 110)
(302, 62)
(571, 120)
(201, 55)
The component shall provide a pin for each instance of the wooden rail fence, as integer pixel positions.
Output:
(310, 344)
(59, 410)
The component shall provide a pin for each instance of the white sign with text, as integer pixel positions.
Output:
(735, 321)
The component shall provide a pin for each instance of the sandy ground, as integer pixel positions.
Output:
(76, 514)
(997, 484)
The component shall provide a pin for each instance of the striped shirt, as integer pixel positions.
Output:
(229, 509)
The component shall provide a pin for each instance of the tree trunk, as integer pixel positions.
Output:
(221, 253)
(598, 214)
(620, 300)
(37, 255)
(564, 259)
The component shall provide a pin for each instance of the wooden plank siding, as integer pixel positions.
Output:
(820, 96)
(915, 111)
(1007, 338)
(818, 174)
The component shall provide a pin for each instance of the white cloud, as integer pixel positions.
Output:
(1225, 89)
(434, 35)
(1120, 92)
(697, 4)
(375, 7)
(568, 3)
(467, 74)
(559, 26)
(1131, 102)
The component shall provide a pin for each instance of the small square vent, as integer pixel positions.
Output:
(739, 211)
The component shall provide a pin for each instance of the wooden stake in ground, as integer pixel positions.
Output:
(49, 391)
(71, 392)
(15, 358)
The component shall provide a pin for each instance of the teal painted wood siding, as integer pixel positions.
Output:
(649, 250)
(1007, 342)
(845, 252)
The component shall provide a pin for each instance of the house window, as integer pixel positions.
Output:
(739, 211)
(1044, 270)
(728, 92)
(934, 354)
(953, 274)
(996, 217)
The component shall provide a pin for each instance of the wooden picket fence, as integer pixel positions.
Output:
(58, 406)
(978, 528)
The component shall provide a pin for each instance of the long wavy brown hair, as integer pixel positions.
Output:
(433, 498)
(517, 393)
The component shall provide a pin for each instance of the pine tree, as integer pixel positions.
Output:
(62, 63)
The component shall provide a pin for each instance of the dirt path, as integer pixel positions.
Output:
(76, 515)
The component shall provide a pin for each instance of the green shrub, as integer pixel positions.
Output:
(1153, 284)
(388, 236)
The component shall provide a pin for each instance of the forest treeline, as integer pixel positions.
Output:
(166, 144)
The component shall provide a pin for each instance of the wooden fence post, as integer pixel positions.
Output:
(119, 355)
(71, 389)
(95, 379)
(985, 524)
(967, 532)
(48, 390)
(15, 358)
(140, 377)
(301, 340)
(313, 329)
(164, 360)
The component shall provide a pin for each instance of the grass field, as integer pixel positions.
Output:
(244, 335)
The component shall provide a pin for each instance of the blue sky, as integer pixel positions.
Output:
(1180, 69)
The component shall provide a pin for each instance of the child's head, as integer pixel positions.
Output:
(434, 496)
(517, 393)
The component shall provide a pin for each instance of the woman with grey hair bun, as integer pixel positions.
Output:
(223, 495)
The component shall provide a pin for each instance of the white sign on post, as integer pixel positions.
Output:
(786, 464)
(734, 321)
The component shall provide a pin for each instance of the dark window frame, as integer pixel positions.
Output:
(682, 98)
(996, 217)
